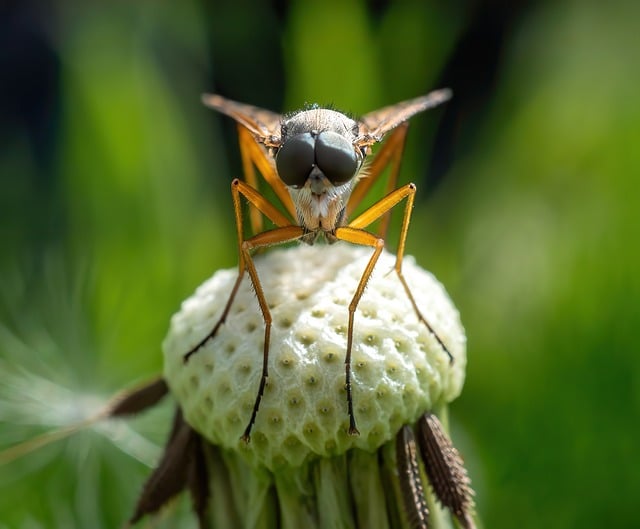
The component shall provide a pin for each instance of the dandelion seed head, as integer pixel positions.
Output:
(399, 370)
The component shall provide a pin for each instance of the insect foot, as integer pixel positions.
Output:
(398, 369)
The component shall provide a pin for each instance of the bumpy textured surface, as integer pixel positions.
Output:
(399, 370)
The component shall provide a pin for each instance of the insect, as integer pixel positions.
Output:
(313, 160)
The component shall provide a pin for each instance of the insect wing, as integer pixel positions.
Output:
(263, 124)
(374, 125)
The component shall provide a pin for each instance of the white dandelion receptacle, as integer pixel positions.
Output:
(399, 370)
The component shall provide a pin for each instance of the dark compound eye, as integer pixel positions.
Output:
(295, 159)
(336, 157)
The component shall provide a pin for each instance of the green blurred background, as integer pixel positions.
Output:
(115, 205)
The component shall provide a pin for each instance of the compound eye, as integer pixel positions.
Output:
(336, 157)
(295, 159)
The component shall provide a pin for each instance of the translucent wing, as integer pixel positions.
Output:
(263, 124)
(374, 125)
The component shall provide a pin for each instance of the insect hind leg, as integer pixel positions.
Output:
(220, 321)
(411, 190)
(419, 314)
(238, 189)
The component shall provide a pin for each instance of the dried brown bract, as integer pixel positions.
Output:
(415, 503)
(445, 469)
(181, 467)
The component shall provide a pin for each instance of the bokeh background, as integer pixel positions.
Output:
(115, 205)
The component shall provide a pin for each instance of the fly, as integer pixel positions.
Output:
(313, 160)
